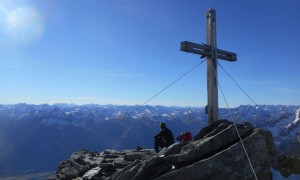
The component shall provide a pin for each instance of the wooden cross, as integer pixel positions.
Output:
(212, 53)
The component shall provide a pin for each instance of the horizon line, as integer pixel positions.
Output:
(152, 105)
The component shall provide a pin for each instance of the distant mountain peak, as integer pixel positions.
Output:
(27, 130)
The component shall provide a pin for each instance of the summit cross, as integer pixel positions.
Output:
(212, 53)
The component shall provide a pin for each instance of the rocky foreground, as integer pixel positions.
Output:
(215, 152)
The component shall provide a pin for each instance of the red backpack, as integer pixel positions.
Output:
(185, 136)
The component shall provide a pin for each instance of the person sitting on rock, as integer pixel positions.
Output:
(164, 138)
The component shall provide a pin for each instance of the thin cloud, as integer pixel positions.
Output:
(43, 67)
(285, 90)
(76, 100)
(259, 82)
(123, 75)
(70, 100)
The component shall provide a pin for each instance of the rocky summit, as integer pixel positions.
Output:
(215, 152)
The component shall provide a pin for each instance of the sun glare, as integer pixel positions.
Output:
(24, 25)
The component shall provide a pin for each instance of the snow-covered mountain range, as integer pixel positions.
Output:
(35, 138)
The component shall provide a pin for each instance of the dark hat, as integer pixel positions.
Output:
(162, 125)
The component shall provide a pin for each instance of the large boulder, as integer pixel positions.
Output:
(231, 162)
(288, 164)
(91, 165)
(78, 164)
(92, 174)
(222, 149)
(216, 152)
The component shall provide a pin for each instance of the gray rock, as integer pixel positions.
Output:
(221, 148)
(288, 164)
(231, 163)
(91, 174)
(120, 163)
(69, 169)
(106, 165)
(272, 153)
(153, 168)
(128, 172)
(110, 156)
(77, 165)
(146, 151)
(108, 173)
(112, 151)
(206, 130)
(217, 129)
(203, 148)
(93, 161)
(109, 160)
(215, 153)
(133, 156)
(85, 158)
(175, 149)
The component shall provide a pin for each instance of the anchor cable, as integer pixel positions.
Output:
(161, 91)
(245, 92)
(215, 6)
(233, 121)
(237, 131)
(173, 82)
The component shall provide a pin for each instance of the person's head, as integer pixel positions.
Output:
(162, 125)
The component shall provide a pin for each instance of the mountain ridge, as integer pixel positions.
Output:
(59, 130)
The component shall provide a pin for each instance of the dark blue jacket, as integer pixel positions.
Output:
(166, 135)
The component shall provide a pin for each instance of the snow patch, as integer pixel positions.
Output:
(297, 116)
(189, 112)
(174, 113)
(165, 115)
(297, 119)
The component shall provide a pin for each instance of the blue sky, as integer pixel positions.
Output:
(125, 51)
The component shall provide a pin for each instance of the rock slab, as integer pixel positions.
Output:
(220, 150)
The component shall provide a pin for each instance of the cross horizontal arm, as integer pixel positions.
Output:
(205, 50)
(195, 48)
(225, 55)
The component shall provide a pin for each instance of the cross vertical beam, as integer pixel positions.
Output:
(212, 76)
(212, 53)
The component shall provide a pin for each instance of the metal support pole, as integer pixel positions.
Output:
(212, 75)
